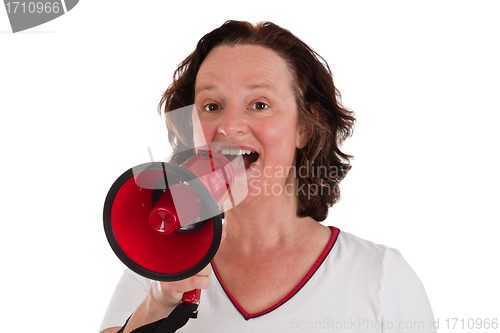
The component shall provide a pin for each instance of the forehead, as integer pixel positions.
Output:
(247, 65)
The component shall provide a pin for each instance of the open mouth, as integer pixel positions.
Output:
(249, 156)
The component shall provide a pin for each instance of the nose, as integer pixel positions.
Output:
(233, 123)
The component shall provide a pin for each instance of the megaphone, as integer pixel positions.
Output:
(164, 221)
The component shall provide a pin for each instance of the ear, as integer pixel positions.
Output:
(315, 113)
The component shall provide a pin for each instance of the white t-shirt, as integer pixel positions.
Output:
(355, 286)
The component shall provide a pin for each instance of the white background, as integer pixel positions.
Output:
(78, 98)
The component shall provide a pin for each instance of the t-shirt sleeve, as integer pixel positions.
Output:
(129, 293)
(404, 304)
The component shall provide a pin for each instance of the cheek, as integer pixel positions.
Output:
(205, 134)
(279, 139)
(269, 134)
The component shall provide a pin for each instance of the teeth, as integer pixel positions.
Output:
(236, 152)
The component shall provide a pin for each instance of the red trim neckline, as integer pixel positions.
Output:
(310, 273)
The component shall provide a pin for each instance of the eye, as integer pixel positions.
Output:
(211, 107)
(260, 106)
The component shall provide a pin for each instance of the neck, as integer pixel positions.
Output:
(265, 225)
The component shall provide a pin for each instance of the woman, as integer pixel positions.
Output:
(278, 269)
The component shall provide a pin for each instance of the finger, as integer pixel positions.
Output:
(194, 282)
(198, 282)
(179, 287)
(163, 295)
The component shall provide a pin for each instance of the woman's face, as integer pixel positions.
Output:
(244, 96)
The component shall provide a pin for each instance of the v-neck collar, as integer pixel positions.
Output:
(307, 277)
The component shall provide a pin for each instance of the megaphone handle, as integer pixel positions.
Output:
(192, 297)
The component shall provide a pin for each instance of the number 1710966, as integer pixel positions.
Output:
(471, 323)
(32, 7)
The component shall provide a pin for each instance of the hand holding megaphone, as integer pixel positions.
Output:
(165, 296)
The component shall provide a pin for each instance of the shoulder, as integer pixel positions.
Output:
(353, 269)
(129, 293)
(385, 275)
(366, 255)
(381, 269)
(389, 260)
(359, 252)
(356, 243)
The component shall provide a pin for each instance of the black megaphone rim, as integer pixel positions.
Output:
(206, 198)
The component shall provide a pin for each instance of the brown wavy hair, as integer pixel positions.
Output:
(320, 110)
